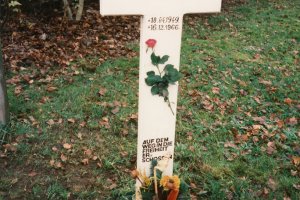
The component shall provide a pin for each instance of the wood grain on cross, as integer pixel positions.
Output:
(160, 20)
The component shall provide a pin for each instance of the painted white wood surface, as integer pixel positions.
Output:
(156, 123)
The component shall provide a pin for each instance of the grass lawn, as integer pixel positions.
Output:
(73, 135)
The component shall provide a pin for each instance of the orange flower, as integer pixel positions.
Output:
(170, 182)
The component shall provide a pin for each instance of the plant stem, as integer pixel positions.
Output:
(169, 104)
(158, 71)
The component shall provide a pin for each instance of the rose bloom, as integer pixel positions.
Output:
(151, 43)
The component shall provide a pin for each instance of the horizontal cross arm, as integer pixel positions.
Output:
(154, 7)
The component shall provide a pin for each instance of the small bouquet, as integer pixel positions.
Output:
(158, 186)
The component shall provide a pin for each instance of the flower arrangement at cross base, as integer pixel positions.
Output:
(158, 186)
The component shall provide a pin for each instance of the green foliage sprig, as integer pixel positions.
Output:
(160, 82)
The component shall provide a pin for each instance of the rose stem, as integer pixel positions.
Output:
(169, 104)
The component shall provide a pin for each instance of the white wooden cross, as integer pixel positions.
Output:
(161, 20)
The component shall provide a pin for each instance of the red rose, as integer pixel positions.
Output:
(151, 43)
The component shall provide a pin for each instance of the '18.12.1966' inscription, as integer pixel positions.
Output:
(163, 23)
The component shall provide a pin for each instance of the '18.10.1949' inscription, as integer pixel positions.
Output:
(163, 23)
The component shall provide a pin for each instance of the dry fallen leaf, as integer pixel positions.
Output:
(32, 174)
(193, 185)
(85, 161)
(102, 91)
(115, 110)
(104, 122)
(124, 153)
(216, 90)
(52, 162)
(88, 152)
(292, 121)
(272, 184)
(230, 144)
(51, 88)
(63, 158)
(51, 122)
(67, 146)
(296, 160)
(10, 147)
(71, 120)
(54, 149)
(261, 120)
(113, 186)
(288, 101)
(297, 187)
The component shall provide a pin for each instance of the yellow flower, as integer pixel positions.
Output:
(145, 179)
(170, 182)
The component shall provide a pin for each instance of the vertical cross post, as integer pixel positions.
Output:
(160, 20)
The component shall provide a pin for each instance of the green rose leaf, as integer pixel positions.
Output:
(164, 59)
(153, 79)
(155, 90)
(150, 73)
(155, 59)
(172, 74)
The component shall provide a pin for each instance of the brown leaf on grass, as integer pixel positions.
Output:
(288, 101)
(14, 181)
(32, 174)
(192, 148)
(193, 185)
(102, 91)
(115, 110)
(256, 127)
(88, 152)
(51, 88)
(94, 158)
(216, 90)
(112, 186)
(230, 144)
(79, 136)
(58, 165)
(257, 99)
(124, 153)
(124, 132)
(71, 120)
(99, 164)
(294, 172)
(207, 105)
(63, 158)
(271, 148)
(244, 137)
(267, 83)
(18, 90)
(67, 146)
(297, 187)
(280, 123)
(104, 122)
(54, 149)
(256, 56)
(52, 162)
(292, 121)
(272, 184)
(44, 99)
(51, 122)
(296, 160)
(10, 147)
(85, 161)
(261, 120)
(133, 117)
(255, 139)
(82, 124)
